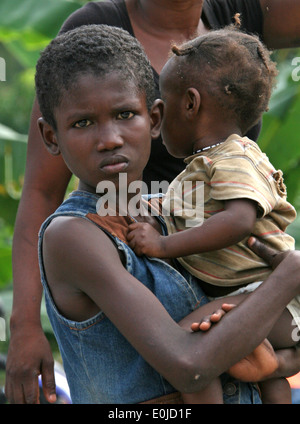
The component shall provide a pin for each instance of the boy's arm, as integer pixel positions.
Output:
(142, 319)
(217, 232)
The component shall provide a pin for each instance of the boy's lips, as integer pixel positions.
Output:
(113, 164)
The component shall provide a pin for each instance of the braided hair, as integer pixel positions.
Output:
(232, 66)
(96, 49)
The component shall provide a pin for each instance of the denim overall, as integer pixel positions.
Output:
(101, 366)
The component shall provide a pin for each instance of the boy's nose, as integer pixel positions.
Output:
(109, 138)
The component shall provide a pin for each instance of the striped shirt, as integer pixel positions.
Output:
(235, 169)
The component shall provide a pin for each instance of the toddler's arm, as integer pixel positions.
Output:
(221, 230)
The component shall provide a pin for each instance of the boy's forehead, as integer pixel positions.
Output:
(105, 79)
(89, 90)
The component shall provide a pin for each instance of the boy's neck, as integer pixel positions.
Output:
(120, 201)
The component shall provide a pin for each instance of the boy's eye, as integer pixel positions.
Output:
(82, 123)
(125, 115)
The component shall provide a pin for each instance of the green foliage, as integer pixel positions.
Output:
(26, 27)
(280, 136)
(5, 252)
(33, 18)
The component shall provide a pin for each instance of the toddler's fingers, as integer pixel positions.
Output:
(228, 306)
(207, 321)
(201, 326)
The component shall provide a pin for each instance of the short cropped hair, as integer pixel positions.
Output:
(232, 66)
(96, 49)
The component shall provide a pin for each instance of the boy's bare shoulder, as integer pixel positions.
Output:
(72, 232)
(63, 224)
(74, 248)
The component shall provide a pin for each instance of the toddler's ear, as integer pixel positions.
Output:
(192, 102)
(49, 137)
(156, 115)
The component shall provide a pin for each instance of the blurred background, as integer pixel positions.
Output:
(26, 26)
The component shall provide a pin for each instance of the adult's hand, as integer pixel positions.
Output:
(271, 256)
(23, 367)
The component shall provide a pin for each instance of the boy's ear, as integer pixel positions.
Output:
(156, 115)
(49, 137)
(192, 102)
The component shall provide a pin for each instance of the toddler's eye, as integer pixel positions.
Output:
(125, 115)
(82, 123)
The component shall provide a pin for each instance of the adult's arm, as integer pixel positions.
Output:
(46, 179)
(188, 361)
(281, 26)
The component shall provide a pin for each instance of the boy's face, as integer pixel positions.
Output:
(103, 129)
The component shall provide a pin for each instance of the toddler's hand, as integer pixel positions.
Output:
(206, 322)
(145, 240)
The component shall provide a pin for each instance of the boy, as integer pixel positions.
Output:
(214, 89)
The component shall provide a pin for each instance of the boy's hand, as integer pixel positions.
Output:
(145, 240)
(257, 366)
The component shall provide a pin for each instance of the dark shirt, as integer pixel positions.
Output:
(216, 14)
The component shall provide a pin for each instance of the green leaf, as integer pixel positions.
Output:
(5, 266)
(9, 134)
(279, 138)
(25, 56)
(13, 146)
(294, 231)
(5, 253)
(41, 16)
(291, 179)
(8, 208)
